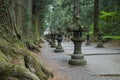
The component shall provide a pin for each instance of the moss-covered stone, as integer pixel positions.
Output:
(8, 70)
(59, 48)
(100, 45)
(77, 62)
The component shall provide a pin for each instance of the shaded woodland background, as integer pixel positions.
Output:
(109, 16)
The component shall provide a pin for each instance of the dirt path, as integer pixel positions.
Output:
(58, 64)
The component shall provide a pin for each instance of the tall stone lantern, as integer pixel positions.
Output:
(77, 58)
(59, 38)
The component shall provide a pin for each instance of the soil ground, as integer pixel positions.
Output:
(100, 67)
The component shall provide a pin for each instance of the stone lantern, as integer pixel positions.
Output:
(77, 58)
(68, 37)
(99, 38)
(87, 39)
(48, 38)
(53, 37)
(59, 38)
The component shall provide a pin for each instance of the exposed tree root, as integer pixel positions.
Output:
(19, 63)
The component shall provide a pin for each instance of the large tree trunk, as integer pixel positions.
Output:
(96, 17)
(16, 62)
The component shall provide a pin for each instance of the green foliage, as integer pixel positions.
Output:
(62, 13)
(43, 6)
(110, 22)
(110, 15)
(91, 29)
(112, 37)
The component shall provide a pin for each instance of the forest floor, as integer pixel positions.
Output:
(98, 67)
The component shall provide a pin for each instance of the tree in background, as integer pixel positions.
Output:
(96, 17)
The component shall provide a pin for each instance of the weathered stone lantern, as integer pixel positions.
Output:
(87, 39)
(99, 38)
(59, 38)
(53, 37)
(77, 58)
(48, 38)
(65, 35)
(68, 37)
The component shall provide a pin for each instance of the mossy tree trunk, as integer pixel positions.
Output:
(96, 18)
(36, 21)
(16, 62)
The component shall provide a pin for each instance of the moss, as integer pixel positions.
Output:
(40, 69)
(8, 70)
(12, 63)
(3, 58)
(77, 62)
(32, 46)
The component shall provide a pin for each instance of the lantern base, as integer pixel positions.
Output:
(100, 46)
(77, 60)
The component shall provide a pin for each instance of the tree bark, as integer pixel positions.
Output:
(96, 17)
(13, 51)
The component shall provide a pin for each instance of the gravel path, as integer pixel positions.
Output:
(58, 63)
